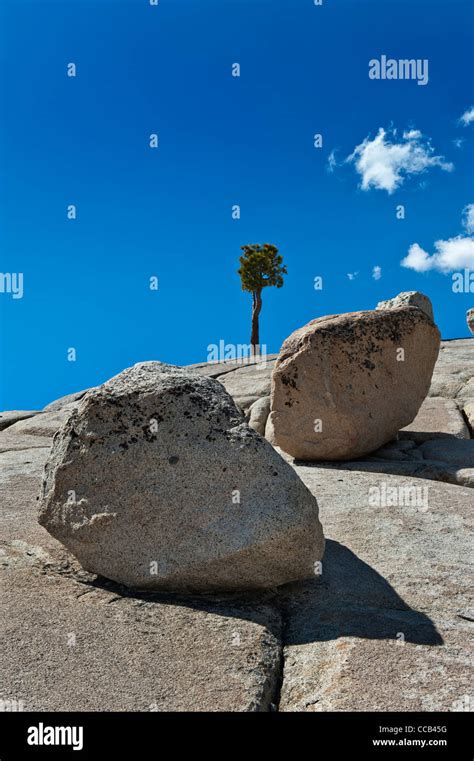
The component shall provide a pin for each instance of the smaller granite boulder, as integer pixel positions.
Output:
(344, 385)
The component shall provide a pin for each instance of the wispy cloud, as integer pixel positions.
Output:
(467, 117)
(352, 275)
(385, 162)
(468, 217)
(377, 272)
(332, 162)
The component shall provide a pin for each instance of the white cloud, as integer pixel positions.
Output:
(468, 217)
(377, 272)
(332, 163)
(467, 117)
(352, 275)
(384, 163)
(417, 259)
(458, 142)
(412, 134)
(450, 255)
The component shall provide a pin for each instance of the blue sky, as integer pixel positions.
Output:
(223, 140)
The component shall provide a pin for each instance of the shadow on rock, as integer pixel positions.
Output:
(259, 607)
(350, 599)
(424, 469)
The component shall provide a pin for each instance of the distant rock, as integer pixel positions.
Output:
(13, 416)
(258, 414)
(156, 481)
(470, 320)
(219, 369)
(45, 423)
(344, 385)
(409, 298)
(469, 413)
(466, 393)
(454, 368)
(436, 418)
(11, 440)
(58, 404)
(248, 383)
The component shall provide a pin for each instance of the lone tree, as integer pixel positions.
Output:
(260, 265)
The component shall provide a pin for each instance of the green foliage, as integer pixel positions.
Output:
(261, 265)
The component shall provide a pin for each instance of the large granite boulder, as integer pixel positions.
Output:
(344, 385)
(157, 481)
(409, 298)
(72, 642)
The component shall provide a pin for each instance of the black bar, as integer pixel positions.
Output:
(158, 735)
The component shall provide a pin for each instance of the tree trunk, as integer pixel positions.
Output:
(256, 307)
